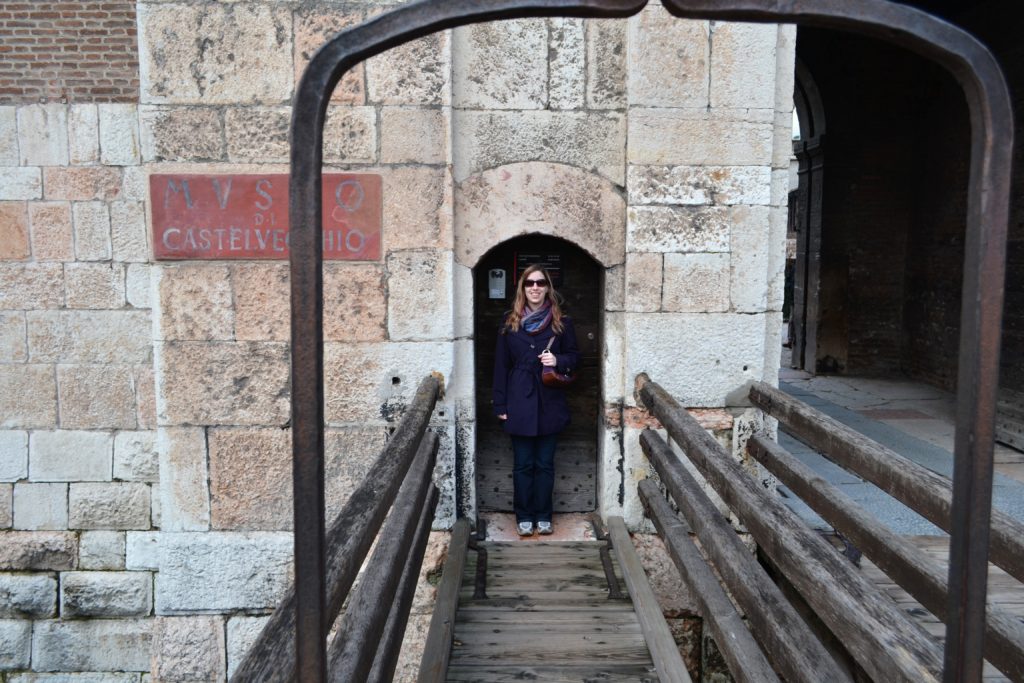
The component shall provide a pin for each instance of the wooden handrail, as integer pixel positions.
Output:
(438, 646)
(879, 636)
(352, 651)
(660, 643)
(394, 631)
(922, 490)
(906, 564)
(272, 657)
(745, 660)
(785, 638)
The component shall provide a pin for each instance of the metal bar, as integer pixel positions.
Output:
(355, 644)
(273, 656)
(784, 637)
(394, 630)
(746, 661)
(906, 564)
(879, 636)
(660, 643)
(922, 490)
(438, 646)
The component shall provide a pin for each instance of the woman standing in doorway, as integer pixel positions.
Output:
(535, 334)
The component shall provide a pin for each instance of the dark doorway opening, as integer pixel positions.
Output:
(579, 279)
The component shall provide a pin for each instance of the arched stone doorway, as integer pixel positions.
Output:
(579, 279)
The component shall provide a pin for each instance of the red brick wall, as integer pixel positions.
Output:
(78, 51)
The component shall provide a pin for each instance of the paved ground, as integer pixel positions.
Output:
(912, 418)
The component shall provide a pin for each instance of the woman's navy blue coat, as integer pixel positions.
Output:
(532, 408)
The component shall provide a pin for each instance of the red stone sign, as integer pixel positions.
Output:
(246, 216)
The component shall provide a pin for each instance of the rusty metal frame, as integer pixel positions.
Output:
(966, 59)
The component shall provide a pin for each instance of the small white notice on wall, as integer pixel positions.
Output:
(496, 283)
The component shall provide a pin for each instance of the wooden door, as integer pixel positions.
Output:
(580, 281)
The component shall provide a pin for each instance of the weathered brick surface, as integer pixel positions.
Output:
(13, 337)
(222, 571)
(106, 594)
(13, 455)
(94, 285)
(135, 456)
(15, 644)
(28, 595)
(113, 505)
(90, 336)
(92, 645)
(415, 73)
(245, 58)
(242, 632)
(567, 65)
(643, 281)
(82, 183)
(20, 183)
(182, 133)
(101, 550)
(514, 56)
(413, 135)
(28, 396)
(92, 231)
(420, 295)
(142, 550)
(696, 283)
(38, 550)
(350, 135)
(68, 455)
(31, 285)
(224, 383)
(129, 237)
(119, 134)
(9, 136)
(417, 208)
(14, 230)
(313, 27)
(684, 185)
(100, 45)
(52, 231)
(182, 288)
(40, 506)
(6, 506)
(43, 135)
(606, 63)
(84, 133)
(250, 479)
(189, 649)
(669, 60)
(184, 494)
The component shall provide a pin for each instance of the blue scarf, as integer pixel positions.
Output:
(535, 322)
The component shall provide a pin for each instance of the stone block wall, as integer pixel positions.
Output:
(145, 503)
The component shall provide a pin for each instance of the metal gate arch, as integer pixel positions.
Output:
(987, 97)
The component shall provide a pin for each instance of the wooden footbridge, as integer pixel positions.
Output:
(799, 609)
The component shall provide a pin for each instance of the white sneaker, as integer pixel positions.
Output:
(526, 528)
(544, 528)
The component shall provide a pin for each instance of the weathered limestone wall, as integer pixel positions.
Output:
(145, 454)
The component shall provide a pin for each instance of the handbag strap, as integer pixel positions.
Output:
(550, 342)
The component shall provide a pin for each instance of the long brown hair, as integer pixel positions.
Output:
(515, 317)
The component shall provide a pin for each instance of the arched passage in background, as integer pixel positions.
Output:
(805, 216)
(579, 279)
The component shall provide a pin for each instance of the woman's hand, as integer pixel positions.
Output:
(548, 359)
(503, 416)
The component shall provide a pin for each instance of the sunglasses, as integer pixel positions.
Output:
(535, 283)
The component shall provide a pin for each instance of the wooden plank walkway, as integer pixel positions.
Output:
(547, 617)
(1003, 590)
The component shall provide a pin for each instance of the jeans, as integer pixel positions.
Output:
(533, 477)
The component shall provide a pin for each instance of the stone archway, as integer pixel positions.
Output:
(534, 197)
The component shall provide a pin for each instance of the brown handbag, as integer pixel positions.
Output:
(552, 377)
